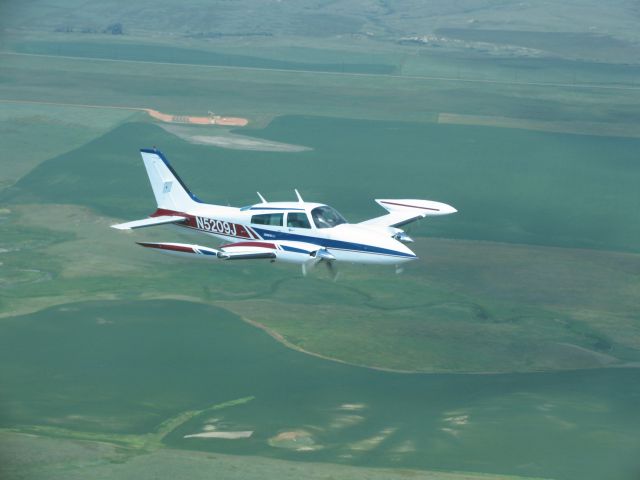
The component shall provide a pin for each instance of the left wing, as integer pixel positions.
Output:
(403, 211)
(304, 254)
(232, 251)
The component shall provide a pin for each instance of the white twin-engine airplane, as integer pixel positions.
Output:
(296, 232)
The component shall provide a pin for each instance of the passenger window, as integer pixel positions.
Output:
(274, 219)
(298, 220)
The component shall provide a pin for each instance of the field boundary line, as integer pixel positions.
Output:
(163, 117)
(80, 105)
(350, 74)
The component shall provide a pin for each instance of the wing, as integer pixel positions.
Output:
(247, 250)
(150, 222)
(403, 211)
(231, 251)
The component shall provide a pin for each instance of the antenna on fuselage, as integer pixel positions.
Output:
(298, 195)
(261, 198)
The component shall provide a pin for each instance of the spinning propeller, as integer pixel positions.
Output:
(321, 255)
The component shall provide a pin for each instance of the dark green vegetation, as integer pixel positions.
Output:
(566, 44)
(117, 353)
(130, 365)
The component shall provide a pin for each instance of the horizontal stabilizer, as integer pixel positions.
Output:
(150, 222)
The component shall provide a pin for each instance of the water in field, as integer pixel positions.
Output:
(124, 367)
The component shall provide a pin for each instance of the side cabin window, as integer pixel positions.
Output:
(298, 220)
(274, 219)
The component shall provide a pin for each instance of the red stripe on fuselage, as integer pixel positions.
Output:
(189, 222)
(240, 230)
(253, 233)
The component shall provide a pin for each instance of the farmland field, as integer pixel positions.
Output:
(510, 349)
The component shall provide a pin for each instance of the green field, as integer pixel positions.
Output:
(509, 350)
(136, 374)
(474, 290)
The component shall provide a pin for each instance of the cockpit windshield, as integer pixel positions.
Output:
(326, 217)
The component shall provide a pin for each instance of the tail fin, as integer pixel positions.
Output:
(170, 191)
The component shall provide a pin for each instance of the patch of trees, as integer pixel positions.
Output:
(113, 29)
(220, 34)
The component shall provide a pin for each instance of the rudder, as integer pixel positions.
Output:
(170, 191)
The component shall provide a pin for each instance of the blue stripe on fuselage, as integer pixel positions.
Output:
(287, 248)
(328, 243)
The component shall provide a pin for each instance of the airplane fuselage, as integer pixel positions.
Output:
(292, 232)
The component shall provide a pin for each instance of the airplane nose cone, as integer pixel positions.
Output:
(408, 253)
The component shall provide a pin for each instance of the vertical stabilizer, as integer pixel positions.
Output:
(170, 191)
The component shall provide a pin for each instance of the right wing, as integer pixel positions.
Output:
(405, 211)
(150, 222)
